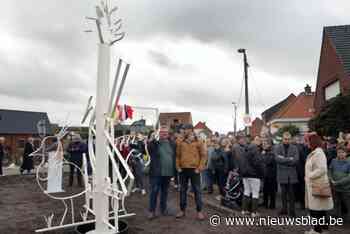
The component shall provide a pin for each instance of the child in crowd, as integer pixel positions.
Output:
(340, 178)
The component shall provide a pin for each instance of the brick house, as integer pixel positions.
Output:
(295, 111)
(334, 65)
(173, 119)
(256, 127)
(270, 112)
(201, 129)
(17, 126)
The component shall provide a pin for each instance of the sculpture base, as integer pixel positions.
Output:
(89, 228)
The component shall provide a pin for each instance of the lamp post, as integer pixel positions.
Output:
(245, 63)
(235, 118)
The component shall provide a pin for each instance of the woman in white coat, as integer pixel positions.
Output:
(316, 173)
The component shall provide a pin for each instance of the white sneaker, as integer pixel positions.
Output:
(244, 212)
(12, 166)
(312, 231)
(135, 190)
(218, 197)
(255, 214)
(143, 192)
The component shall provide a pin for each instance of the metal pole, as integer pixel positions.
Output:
(246, 88)
(121, 86)
(246, 84)
(114, 87)
(102, 97)
(235, 119)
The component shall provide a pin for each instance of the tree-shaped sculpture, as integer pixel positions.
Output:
(105, 195)
(108, 27)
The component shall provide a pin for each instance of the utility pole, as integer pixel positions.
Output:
(235, 118)
(243, 51)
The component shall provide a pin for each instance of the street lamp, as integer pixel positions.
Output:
(235, 118)
(243, 51)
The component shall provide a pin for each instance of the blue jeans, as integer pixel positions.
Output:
(137, 167)
(158, 184)
(205, 179)
(186, 175)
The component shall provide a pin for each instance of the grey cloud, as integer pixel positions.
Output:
(282, 37)
(35, 81)
(165, 61)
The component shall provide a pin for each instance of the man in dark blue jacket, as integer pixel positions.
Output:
(76, 149)
(162, 168)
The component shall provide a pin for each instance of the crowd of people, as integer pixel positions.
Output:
(308, 170)
(27, 161)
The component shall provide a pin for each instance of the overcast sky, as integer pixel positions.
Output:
(183, 54)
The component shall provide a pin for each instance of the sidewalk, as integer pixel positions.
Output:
(12, 170)
(15, 170)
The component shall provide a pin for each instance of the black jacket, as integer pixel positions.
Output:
(27, 163)
(270, 166)
(2, 153)
(76, 150)
(331, 153)
(139, 146)
(238, 152)
(220, 160)
(252, 164)
(303, 153)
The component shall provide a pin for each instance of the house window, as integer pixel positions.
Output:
(332, 90)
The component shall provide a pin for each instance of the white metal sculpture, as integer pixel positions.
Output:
(104, 199)
(117, 205)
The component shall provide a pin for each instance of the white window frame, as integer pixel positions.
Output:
(332, 90)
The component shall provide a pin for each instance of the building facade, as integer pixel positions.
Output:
(295, 111)
(333, 76)
(17, 126)
(202, 130)
(173, 119)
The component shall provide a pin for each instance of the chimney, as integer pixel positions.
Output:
(308, 90)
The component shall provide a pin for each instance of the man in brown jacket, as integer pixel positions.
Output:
(191, 158)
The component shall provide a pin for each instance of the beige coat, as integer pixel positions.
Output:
(316, 171)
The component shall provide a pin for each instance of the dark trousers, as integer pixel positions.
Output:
(176, 178)
(186, 175)
(137, 167)
(319, 214)
(220, 180)
(269, 193)
(210, 180)
(1, 166)
(341, 201)
(158, 184)
(288, 198)
(72, 171)
(300, 193)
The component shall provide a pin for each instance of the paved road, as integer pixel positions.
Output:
(23, 205)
